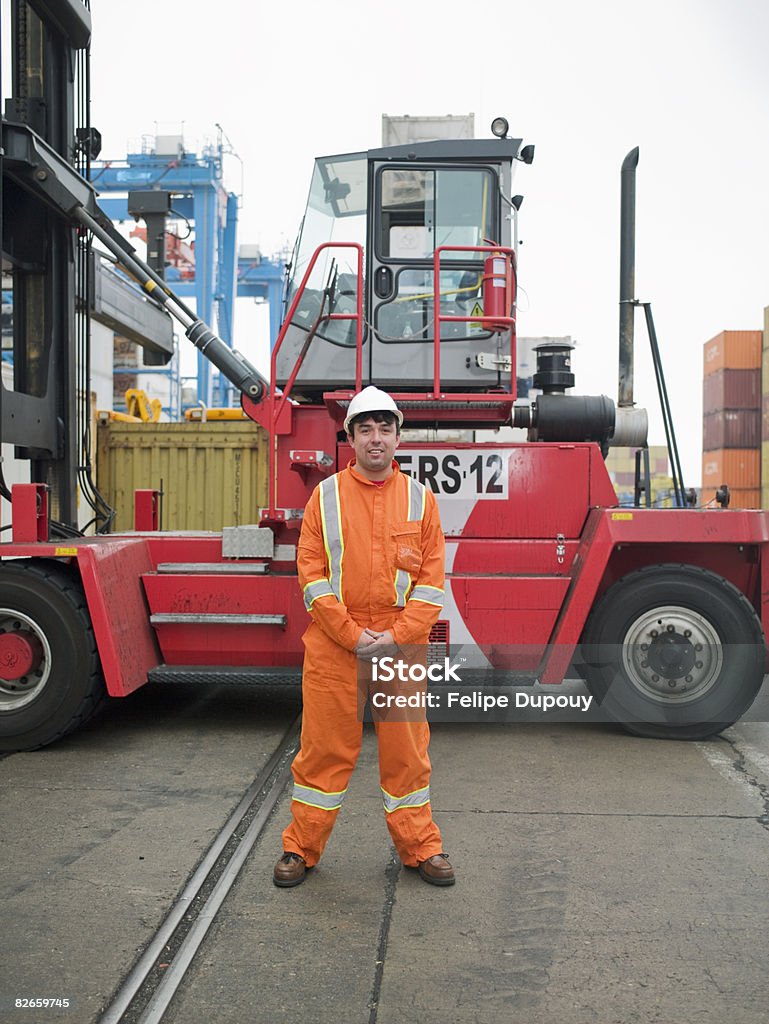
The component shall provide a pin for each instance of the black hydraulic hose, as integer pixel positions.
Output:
(235, 367)
(5, 491)
(127, 257)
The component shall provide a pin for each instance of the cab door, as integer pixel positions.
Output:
(416, 208)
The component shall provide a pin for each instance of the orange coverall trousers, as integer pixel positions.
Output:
(330, 748)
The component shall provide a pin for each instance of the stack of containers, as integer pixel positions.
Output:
(124, 360)
(731, 427)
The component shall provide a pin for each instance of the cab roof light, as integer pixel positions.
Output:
(500, 127)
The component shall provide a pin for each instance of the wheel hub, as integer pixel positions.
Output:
(673, 654)
(20, 654)
(25, 660)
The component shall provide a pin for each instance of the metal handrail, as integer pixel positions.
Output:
(277, 402)
(438, 319)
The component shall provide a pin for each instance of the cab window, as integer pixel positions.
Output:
(422, 209)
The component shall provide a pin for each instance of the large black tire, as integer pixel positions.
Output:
(674, 652)
(45, 606)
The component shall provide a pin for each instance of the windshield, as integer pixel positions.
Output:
(336, 212)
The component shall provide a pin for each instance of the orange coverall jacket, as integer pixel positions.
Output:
(380, 538)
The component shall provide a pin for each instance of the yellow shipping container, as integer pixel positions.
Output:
(622, 460)
(212, 474)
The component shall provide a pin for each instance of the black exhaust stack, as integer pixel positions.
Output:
(556, 416)
(627, 279)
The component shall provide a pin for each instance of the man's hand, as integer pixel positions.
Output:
(378, 645)
(367, 637)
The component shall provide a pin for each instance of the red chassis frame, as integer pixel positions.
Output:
(504, 586)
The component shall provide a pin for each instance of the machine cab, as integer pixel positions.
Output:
(401, 204)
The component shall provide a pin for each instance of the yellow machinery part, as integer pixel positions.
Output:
(198, 413)
(141, 407)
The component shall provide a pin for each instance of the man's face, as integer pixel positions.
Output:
(374, 445)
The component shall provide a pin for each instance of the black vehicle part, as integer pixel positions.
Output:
(44, 623)
(667, 416)
(567, 418)
(71, 18)
(234, 366)
(627, 304)
(554, 372)
(627, 280)
(674, 652)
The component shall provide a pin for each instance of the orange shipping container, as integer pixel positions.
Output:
(739, 468)
(733, 350)
(745, 498)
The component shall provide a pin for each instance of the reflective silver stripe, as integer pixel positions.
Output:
(430, 595)
(317, 798)
(402, 584)
(416, 500)
(316, 589)
(418, 798)
(332, 531)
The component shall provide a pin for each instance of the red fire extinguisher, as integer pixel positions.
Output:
(498, 291)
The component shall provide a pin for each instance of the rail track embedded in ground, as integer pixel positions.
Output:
(148, 989)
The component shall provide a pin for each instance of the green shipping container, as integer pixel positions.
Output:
(212, 474)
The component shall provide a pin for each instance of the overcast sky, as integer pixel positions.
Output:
(686, 80)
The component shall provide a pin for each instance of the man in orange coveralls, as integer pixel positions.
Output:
(371, 564)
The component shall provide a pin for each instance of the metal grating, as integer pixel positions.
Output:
(438, 642)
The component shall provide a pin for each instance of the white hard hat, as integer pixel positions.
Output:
(371, 399)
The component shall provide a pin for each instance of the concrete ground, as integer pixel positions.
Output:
(101, 830)
(601, 878)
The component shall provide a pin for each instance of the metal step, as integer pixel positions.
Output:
(238, 675)
(214, 619)
(213, 568)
